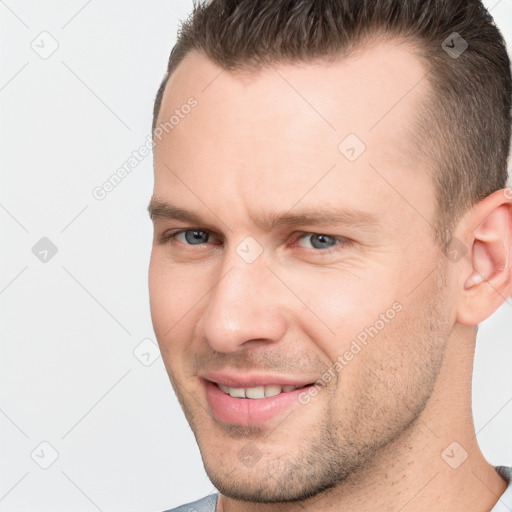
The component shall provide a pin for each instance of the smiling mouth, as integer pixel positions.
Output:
(256, 404)
(258, 392)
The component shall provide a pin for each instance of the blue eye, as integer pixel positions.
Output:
(193, 236)
(318, 241)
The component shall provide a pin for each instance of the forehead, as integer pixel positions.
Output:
(281, 129)
(377, 82)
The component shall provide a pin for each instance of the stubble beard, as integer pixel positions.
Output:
(352, 430)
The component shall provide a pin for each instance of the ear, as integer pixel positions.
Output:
(486, 276)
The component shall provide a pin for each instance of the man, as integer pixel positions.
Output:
(331, 225)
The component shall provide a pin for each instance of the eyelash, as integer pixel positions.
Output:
(341, 241)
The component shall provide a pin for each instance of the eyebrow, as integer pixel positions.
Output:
(323, 215)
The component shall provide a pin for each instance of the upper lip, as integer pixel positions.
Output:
(252, 380)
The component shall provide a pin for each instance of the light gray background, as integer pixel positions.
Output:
(69, 326)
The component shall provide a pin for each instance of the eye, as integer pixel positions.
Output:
(191, 236)
(317, 241)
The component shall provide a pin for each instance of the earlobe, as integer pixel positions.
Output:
(474, 279)
(488, 283)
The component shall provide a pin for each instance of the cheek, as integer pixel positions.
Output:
(172, 300)
(342, 305)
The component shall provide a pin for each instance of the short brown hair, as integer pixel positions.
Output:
(462, 130)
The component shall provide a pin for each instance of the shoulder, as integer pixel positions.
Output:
(206, 504)
(505, 472)
(504, 503)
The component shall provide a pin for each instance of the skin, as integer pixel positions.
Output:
(373, 436)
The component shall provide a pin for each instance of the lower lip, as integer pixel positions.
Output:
(248, 411)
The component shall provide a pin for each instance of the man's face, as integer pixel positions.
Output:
(350, 274)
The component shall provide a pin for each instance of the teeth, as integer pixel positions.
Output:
(274, 390)
(256, 392)
(237, 392)
(224, 388)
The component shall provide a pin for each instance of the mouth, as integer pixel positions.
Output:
(251, 405)
(258, 392)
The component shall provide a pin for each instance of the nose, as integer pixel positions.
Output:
(244, 307)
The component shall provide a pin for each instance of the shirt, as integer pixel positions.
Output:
(504, 503)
